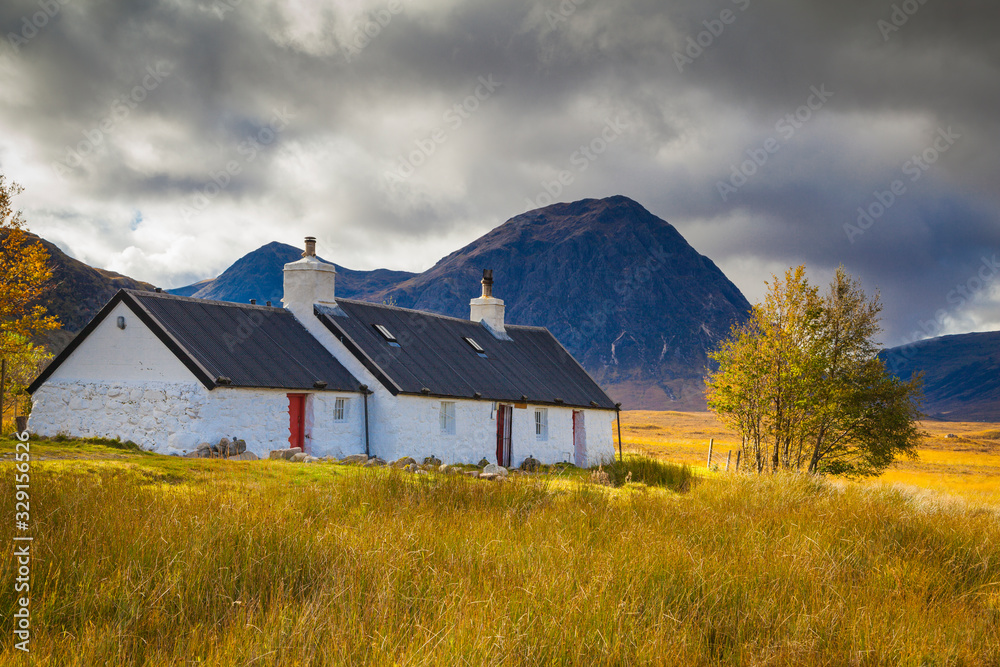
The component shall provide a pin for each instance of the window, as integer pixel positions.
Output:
(389, 338)
(448, 417)
(340, 410)
(475, 346)
(542, 424)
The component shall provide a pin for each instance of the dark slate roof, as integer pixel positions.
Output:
(432, 357)
(252, 346)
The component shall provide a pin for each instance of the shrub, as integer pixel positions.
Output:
(651, 472)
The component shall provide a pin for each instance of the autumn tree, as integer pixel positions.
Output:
(802, 382)
(24, 276)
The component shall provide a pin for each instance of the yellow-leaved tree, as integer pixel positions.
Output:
(25, 274)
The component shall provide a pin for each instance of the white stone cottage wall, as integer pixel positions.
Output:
(127, 384)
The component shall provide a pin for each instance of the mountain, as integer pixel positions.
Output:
(257, 275)
(961, 374)
(78, 291)
(618, 286)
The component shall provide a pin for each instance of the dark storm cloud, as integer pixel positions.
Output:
(367, 123)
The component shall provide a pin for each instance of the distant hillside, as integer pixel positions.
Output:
(257, 275)
(78, 291)
(961, 374)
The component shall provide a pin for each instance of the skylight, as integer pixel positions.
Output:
(386, 334)
(475, 346)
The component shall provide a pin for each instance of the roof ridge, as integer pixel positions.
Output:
(430, 314)
(191, 299)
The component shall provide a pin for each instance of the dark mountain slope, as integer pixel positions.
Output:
(961, 374)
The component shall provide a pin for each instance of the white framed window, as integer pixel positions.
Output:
(340, 410)
(542, 424)
(448, 417)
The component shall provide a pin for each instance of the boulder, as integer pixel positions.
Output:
(530, 464)
(421, 472)
(494, 469)
(471, 473)
(311, 459)
(444, 469)
(240, 446)
(432, 461)
(410, 467)
(354, 459)
(375, 462)
(284, 454)
(299, 457)
(246, 456)
(403, 462)
(193, 455)
(489, 475)
(223, 447)
(483, 463)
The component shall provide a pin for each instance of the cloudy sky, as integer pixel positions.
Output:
(166, 138)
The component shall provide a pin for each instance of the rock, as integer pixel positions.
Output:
(483, 463)
(951, 435)
(240, 446)
(403, 462)
(494, 469)
(421, 472)
(299, 457)
(530, 464)
(311, 459)
(489, 475)
(375, 462)
(354, 459)
(196, 454)
(432, 461)
(444, 469)
(223, 447)
(471, 473)
(284, 454)
(410, 467)
(246, 456)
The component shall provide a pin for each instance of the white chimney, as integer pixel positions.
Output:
(308, 281)
(488, 309)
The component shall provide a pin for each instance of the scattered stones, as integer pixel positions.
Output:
(433, 461)
(354, 459)
(494, 469)
(483, 463)
(284, 454)
(445, 469)
(375, 462)
(530, 464)
(403, 462)
(246, 456)
(299, 457)
(410, 467)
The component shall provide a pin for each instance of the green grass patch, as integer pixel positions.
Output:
(651, 472)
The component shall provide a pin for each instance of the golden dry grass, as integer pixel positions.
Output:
(966, 466)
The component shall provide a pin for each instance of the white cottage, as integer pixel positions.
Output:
(334, 376)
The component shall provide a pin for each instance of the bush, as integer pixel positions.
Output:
(651, 472)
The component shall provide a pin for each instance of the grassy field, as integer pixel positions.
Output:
(966, 466)
(147, 560)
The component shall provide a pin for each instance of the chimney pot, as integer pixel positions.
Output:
(487, 283)
(310, 247)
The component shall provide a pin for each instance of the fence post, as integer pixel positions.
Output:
(711, 442)
(729, 458)
(739, 452)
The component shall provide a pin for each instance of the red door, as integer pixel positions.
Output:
(296, 420)
(504, 415)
